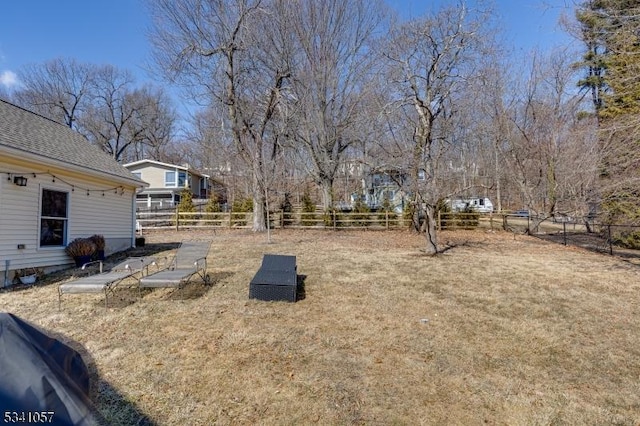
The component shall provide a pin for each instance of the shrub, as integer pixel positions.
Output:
(213, 206)
(308, 210)
(80, 247)
(99, 241)
(360, 213)
(239, 210)
(328, 216)
(468, 218)
(100, 244)
(186, 201)
(186, 206)
(387, 209)
(247, 205)
(627, 239)
(287, 210)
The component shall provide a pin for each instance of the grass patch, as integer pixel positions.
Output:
(497, 329)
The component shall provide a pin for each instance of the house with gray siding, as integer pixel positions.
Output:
(167, 181)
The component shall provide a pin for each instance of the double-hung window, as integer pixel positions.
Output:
(54, 218)
(170, 179)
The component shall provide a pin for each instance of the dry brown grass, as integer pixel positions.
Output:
(497, 330)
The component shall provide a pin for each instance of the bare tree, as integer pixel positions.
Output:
(157, 119)
(332, 67)
(493, 99)
(430, 60)
(231, 52)
(102, 103)
(113, 119)
(544, 150)
(59, 89)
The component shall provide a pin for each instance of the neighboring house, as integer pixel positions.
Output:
(167, 181)
(384, 184)
(55, 186)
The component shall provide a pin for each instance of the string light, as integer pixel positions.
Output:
(118, 189)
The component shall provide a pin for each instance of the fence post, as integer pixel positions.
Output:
(564, 231)
(177, 218)
(386, 219)
(230, 221)
(333, 215)
(610, 240)
(439, 220)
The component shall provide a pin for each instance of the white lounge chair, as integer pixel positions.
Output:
(132, 267)
(190, 260)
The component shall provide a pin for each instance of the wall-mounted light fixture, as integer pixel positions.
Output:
(20, 180)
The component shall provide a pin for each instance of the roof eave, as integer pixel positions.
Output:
(26, 155)
(167, 165)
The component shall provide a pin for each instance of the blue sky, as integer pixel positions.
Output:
(114, 31)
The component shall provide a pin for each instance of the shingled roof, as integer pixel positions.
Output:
(34, 134)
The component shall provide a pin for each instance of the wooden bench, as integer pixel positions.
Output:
(276, 279)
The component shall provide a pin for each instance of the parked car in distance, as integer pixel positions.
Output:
(521, 213)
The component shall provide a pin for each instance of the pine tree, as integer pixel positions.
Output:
(186, 206)
(610, 30)
(186, 201)
(213, 206)
(308, 210)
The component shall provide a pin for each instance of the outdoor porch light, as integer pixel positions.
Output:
(20, 180)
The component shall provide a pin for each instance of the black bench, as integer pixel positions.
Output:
(277, 279)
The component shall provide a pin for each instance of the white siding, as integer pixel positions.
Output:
(110, 215)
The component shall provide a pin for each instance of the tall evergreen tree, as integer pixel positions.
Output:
(610, 30)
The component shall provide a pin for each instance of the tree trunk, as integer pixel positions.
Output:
(258, 206)
(497, 170)
(430, 230)
(327, 194)
(258, 215)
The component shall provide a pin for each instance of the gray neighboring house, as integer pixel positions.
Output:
(167, 181)
(55, 186)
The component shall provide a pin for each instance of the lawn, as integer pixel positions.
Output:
(497, 329)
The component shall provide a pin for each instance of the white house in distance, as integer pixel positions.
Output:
(167, 181)
(55, 186)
